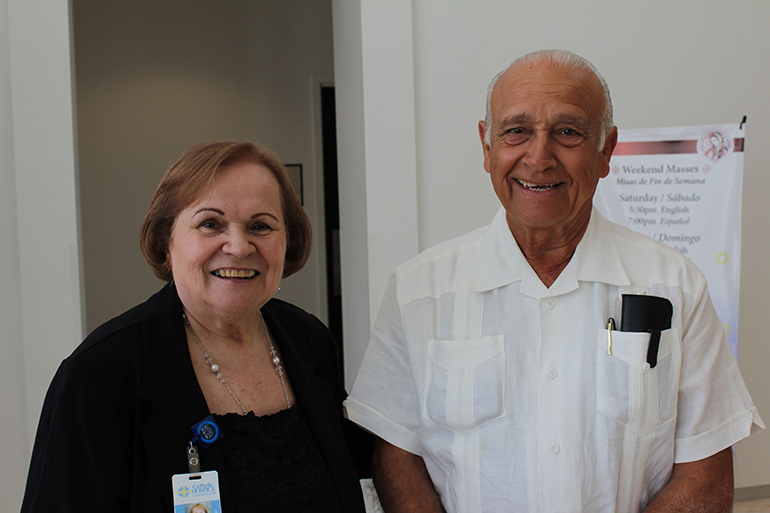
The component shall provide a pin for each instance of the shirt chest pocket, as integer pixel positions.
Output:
(465, 382)
(628, 389)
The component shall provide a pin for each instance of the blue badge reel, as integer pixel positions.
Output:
(206, 432)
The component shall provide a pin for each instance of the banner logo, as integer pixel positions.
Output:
(715, 146)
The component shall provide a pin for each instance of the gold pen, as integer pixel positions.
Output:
(610, 327)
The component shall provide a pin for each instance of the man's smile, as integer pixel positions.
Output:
(537, 187)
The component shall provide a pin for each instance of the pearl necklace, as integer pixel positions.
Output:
(215, 368)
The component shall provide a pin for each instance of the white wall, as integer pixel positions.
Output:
(377, 166)
(40, 302)
(667, 63)
(14, 442)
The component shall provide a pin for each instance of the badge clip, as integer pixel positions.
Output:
(193, 459)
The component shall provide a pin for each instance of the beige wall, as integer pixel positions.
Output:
(156, 77)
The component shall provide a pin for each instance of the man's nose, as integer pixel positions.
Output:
(539, 156)
(238, 243)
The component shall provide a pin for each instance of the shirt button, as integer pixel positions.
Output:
(552, 373)
(461, 370)
(551, 304)
(555, 448)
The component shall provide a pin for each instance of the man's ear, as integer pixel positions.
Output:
(609, 146)
(484, 145)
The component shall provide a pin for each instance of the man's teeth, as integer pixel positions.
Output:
(225, 273)
(536, 187)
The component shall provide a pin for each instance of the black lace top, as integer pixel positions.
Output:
(274, 465)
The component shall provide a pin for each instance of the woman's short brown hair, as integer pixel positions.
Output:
(187, 179)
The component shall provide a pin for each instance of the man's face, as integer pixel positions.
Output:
(543, 154)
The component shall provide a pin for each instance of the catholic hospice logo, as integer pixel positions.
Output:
(715, 145)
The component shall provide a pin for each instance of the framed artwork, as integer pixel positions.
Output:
(295, 177)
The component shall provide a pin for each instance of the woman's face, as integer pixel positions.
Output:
(227, 249)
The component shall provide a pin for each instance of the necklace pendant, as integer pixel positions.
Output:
(214, 368)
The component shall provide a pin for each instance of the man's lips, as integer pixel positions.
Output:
(245, 274)
(537, 187)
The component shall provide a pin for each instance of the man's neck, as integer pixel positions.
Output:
(549, 251)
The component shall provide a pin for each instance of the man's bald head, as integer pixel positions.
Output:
(563, 58)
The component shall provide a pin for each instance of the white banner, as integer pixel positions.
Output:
(682, 186)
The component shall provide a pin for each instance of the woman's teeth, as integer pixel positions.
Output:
(225, 273)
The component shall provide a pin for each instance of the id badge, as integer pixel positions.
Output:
(196, 493)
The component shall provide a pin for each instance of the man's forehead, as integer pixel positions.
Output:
(547, 84)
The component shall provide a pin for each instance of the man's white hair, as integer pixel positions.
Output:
(565, 59)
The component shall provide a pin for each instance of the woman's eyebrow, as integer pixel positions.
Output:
(209, 209)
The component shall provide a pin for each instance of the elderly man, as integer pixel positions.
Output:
(492, 378)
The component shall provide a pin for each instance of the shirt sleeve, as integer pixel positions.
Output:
(715, 409)
(384, 398)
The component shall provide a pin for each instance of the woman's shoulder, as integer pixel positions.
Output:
(292, 325)
(120, 341)
(291, 315)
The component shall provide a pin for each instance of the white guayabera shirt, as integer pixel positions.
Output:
(506, 388)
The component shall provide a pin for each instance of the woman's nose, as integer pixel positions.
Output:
(238, 243)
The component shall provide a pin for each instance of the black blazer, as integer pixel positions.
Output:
(116, 420)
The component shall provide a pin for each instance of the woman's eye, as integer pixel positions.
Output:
(209, 224)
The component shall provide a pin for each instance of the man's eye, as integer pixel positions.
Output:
(514, 135)
(570, 132)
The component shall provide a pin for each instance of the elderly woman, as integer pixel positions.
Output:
(210, 373)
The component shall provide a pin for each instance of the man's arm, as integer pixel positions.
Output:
(402, 481)
(702, 486)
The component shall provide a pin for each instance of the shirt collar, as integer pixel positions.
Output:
(501, 262)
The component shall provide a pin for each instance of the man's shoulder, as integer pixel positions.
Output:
(446, 267)
(659, 261)
(448, 249)
(626, 237)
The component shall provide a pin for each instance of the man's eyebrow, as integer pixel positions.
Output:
(518, 119)
(573, 120)
(515, 120)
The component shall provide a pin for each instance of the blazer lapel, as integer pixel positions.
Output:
(315, 395)
(171, 388)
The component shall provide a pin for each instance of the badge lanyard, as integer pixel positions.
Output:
(198, 492)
